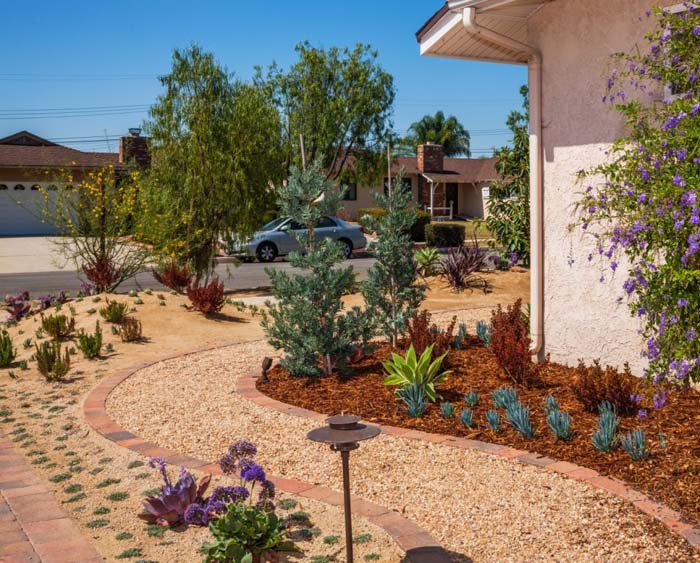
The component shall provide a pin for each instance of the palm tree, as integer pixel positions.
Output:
(448, 132)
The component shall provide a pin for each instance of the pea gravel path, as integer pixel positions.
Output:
(480, 507)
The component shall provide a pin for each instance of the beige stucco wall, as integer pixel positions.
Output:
(471, 202)
(365, 198)
(576, 38)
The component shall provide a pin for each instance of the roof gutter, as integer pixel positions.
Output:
(469, 20)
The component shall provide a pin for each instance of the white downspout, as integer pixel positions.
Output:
(536, 172)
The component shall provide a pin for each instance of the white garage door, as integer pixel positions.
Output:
(21, 211)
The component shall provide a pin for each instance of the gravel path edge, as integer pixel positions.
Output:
(419, 545)
(672, 519)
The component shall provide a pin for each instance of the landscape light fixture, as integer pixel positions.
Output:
(343, 433)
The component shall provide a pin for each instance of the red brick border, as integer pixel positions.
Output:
(33, 526)
(419, 545)
(672, 519)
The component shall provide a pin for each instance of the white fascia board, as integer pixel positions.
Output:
(439, 30)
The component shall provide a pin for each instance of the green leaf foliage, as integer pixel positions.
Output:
(245, 531)
(509, 202)
(215, 147)
(391, 293)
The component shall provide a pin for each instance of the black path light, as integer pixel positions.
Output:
(343, 434)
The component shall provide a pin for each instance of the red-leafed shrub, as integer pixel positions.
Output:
(207, 299)
(511, 344)
(421, 334)
(173, 276)
(595, 385)
(103, 273)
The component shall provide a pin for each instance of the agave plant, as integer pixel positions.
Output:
(411, 370)
(168, 507)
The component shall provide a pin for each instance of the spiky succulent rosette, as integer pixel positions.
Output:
(168, 507)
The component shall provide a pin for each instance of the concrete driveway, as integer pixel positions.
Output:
(30, 254)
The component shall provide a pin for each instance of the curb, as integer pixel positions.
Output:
(419, 545)
(673, 520)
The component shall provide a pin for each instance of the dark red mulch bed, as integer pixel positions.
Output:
(671, 475)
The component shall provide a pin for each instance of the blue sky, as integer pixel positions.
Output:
(102, 54)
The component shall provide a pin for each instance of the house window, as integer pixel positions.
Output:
(405, 181)
(3, 187)
(350, 192)
(19, 187)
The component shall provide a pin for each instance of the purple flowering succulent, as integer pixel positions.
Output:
(18, 306)
(170, 505)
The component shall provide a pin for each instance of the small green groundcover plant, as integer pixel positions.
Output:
(7, 351)
(641, 208)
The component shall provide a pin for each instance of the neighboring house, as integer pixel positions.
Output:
(448, 186)
(567, 45)
(28, 163)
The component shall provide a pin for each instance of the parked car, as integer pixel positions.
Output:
(277, 238)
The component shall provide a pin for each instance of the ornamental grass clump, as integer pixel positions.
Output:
(413, 370)
(504, 396)
(7, 351)
(605, 439)
(472, 398)
(493, 419)
(460, 341)
(483, 332)
(114, 312)
(90, 344)
(518, 415)
(307, 320)
(460, 267)
(467, 417)
(636, 446)
(641, 208)
(415, 399)
(447, 409)
(58, 326)
(560, 424)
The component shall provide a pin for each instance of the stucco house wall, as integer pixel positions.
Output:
(576, 39)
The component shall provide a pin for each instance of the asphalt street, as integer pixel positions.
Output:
(242, 277)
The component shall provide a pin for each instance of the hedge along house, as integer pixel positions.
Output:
(450, 187)
(567, 46)
(29, 163)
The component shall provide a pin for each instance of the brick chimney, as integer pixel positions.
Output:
(430, 158)
(134, 147)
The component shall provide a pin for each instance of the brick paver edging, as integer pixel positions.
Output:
(672, 519)
(419, 545)
(33, 526)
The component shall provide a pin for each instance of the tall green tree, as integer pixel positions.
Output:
(509, 205)
(391, 293)
(307, 320)
(215, 146)
(340, 101)
(441, 130)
